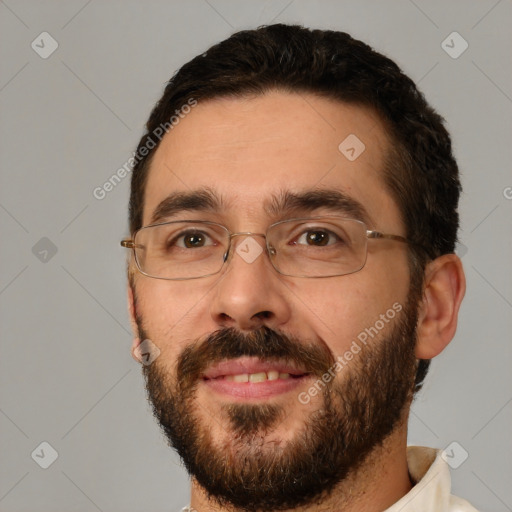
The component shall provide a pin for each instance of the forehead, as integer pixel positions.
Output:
(250, 149)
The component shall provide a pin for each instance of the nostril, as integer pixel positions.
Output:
(263, 315)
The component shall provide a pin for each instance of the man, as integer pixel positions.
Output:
(293, 218)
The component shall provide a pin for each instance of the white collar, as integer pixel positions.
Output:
(432, 492)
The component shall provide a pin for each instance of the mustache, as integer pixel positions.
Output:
(263, 343)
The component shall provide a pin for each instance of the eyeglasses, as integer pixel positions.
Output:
(309, 247)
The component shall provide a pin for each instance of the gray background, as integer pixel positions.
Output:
(71, 120)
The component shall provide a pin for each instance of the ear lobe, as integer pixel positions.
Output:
(131, 310)
(444, 289)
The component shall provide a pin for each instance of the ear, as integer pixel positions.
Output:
(131, 310)
(444, 289)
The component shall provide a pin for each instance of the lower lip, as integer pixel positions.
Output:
(248, 390)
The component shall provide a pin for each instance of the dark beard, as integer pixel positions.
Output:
(357, 414)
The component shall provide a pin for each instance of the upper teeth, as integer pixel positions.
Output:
(257, 377)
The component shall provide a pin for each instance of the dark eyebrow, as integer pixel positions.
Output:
(280, 205)
(335, 201)
(204, 199)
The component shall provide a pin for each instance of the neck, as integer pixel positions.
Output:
(379, 482)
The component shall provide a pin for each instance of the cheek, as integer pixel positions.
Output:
(342, 308)
(167, 310)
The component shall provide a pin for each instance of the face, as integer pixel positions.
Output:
(264, 380)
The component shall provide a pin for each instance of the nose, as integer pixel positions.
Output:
(249, 293)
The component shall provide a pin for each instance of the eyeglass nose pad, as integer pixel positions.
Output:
(227, 254)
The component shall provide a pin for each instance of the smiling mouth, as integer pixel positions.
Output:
(258, 377)
(251, 378)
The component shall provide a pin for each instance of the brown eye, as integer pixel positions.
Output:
(194, 240)
(191, 240)
(317, 238)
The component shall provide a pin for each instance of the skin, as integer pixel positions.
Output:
(246, 150)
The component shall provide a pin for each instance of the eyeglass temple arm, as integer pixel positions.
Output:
(398, 238)
(128, 243)
(378, 234)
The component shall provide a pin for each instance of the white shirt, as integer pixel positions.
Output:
(433, 485)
